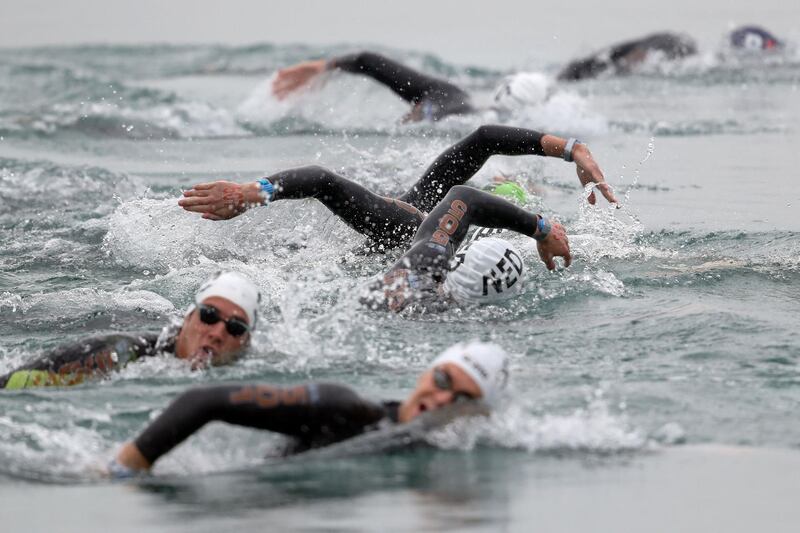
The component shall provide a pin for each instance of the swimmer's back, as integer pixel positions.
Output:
(72, 363)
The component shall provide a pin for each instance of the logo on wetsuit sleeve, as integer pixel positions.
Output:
(504, 274)
(267, 396)
(448, 224)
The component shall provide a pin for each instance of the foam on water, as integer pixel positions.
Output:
(592, 429)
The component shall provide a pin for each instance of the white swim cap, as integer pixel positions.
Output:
(486, 364)
(523, 89)
(487, 270)
(234, 287)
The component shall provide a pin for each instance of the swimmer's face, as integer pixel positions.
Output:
(211, 344)
(437, 387)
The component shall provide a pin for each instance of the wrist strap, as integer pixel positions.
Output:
(543, 229)
(117, 470)
(266, 188)
(571, 142)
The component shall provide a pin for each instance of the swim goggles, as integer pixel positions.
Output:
(209, 314)
(444, 381)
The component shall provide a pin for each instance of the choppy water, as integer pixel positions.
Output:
(677, 323)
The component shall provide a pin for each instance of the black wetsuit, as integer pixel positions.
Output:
(73, 363)
(433, 98)
(621, 58)
(314, 414)
(392, 222)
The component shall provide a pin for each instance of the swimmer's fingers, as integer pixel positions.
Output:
(194, 192)
(567, 260)
(292, 78)
(195, 202)
(589, 172)
(607, 192)
(212, 216)
(554, 245)
(546, 255)
(204, 208)
(206, 186)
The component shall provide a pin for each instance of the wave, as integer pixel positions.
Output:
(103, 91)
(148, 116)
(696, 127)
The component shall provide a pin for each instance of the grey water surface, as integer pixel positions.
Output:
(677, 323)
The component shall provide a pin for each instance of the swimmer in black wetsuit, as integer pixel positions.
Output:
(622, 58)
(214, 331)
(431, 98)
(390, 222)
(317, 414)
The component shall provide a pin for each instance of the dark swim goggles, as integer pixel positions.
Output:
(209, 314)
(444, 381)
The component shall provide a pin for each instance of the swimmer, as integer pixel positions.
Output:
(215, 331)
(430, 98)
(317, 414)
(622, 58)
(754, 39)
(434, 239)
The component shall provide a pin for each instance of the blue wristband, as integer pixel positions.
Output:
(543, 226)
(117, 470)
(267, 188)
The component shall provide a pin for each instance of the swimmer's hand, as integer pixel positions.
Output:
(555, 245)
(589, 172)
(221, 200)
(290, 79)
(128, 463)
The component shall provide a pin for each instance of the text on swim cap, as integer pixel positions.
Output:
(507, 269)
(478, 367)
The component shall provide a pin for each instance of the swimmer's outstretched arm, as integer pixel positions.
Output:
(460, 162)
(385, 220)
(407, 83)
(223, 200)
(310, 413)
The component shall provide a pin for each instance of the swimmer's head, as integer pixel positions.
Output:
(235, 288)
(522, 90)
(509, 190)
(476, 370)
(217, 328)
(753, 38)
(486, 271)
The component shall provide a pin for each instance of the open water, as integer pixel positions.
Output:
(677, 323)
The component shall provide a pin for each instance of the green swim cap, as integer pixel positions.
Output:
(512, 191)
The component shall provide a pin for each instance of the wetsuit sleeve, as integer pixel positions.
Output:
(407, 83)
(448, 224)
(385, 220)
(461, 161)
(478, 208)
(74, 363)
(316, 412)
